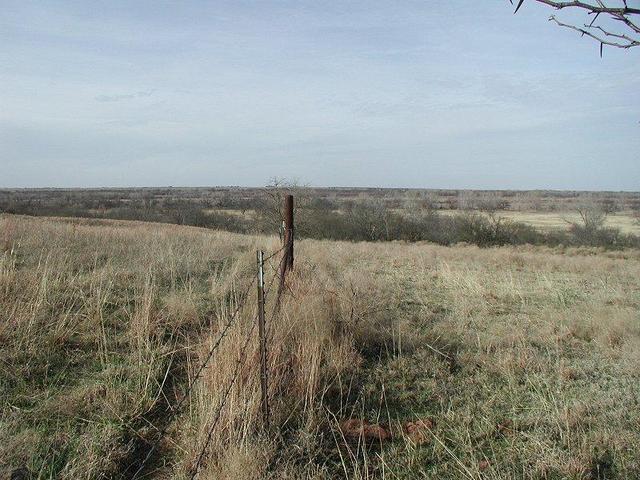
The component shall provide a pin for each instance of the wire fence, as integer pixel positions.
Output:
(173, 412)
(239, 364)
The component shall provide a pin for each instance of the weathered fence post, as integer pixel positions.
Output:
(288, 233)
(263, 340)
(286, 263)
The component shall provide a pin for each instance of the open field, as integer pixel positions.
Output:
(550, 221)
(521, 362)
(625, 221)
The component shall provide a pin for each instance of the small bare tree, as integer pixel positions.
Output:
(610, 206)
(271, 214)
(467, 200)
(591, 219)
(592, 216)
(418, 202)
(590, 229)
(609, 22)
(490, 203)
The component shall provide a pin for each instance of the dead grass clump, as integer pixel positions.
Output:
(7, 234)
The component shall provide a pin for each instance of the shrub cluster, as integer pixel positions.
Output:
(362, 220)
(370, 223)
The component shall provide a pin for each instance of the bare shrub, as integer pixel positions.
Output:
(489, 202)
(270, 208)
(467, 200)
(591, 229)
(417, 201)
(593, 216)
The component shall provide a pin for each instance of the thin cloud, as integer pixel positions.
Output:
(124, 96)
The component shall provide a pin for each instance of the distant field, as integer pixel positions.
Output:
(554, 220)
(625, 221)
(247, 213)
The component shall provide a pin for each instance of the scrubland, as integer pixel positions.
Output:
(446, 217)
(518, 361)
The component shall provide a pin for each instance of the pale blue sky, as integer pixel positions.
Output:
(435, 94)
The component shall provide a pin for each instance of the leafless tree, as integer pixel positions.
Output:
(609, 22)
(609, 206)
(487, 202)
(270, 216)
(592, 216)
(418, 202)
(467, 200)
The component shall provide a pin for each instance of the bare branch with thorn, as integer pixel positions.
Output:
(618, 11)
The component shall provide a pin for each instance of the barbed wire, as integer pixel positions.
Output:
(275, 271)
(240, 363)
(176, 410)
(268, 287)
(277, 274)
(275, 253)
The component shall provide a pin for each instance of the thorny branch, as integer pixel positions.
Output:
(618, 11)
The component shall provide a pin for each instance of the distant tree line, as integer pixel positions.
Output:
(360, 218)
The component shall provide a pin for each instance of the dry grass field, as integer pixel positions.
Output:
(549, 221)
(511, 362)
(625, 221)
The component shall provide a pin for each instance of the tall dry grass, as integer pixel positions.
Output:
(525, 358)
(92, 315)
(104, 325)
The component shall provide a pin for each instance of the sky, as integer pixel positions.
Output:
(417, 94)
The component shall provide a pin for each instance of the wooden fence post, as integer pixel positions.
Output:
(287, 258)
(288, 224)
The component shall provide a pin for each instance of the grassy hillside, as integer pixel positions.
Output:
(511, 362)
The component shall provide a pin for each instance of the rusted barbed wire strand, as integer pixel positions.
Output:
(276, 306)
(277, 273)
(268, 287)
(239, 364)
(268, 257)
(176, 410)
